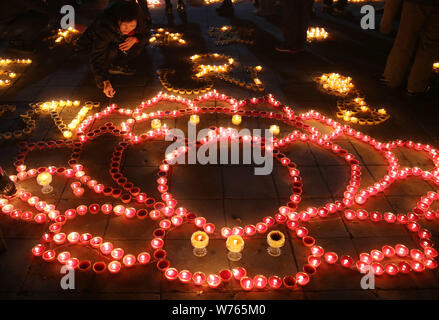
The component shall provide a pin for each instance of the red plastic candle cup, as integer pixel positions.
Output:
(198, 278)
(84, 265)
(239, 273)
(308, 241)
(143, 257)
(162, 265)
(159, 254)
(289, 282)
(171, 274)
(213, 280)
(225, 275)
(309, 269)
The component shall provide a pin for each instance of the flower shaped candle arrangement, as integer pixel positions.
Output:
(227, 34)
(356, 110)
(335, 84)
(63, 36)
(162, 37)
(28, 119)
(54, 244)
(316, 34)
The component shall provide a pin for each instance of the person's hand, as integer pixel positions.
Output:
(129, 42)
(108, 89)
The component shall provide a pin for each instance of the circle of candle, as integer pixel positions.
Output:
(199, 240)
(194, 119)
(44, 179)
(274, 129)
(235, 244)
(236, 119)
(156, 124)
(276, 241)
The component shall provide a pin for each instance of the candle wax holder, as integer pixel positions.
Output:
(199, 252)
(47, 189)
(234, 256)
(276, 241)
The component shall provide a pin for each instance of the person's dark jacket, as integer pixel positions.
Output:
(103, 34)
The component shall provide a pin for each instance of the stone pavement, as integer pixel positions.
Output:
(226, 195)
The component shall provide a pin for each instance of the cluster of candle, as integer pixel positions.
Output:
(357, 111)
(215, 1)
(227, 34)
(164, 80)
(336, 84)
(436, 66)
(220, 70)
(7, 61)
(54, 107)
(316, 34)
(153, 3)
(28, 119)
(169, 216)
(63, 36)
(162, 37)
(8, 75)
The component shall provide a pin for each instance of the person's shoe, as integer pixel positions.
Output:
(181, 7)
(125, 71)
(283, 48)
(418, 94)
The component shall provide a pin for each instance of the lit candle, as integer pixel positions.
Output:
(199, 241)
(194, 119)
(276, 241)
(44, 179)
(156, 124)
(274, 129)
(235, 244)
(236, 119)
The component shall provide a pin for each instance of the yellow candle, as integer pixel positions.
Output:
(194, 119)
(274, 129)
(156, 124)
(236, 119)
(276, 239)
(67, 134)
(44, 178)
(235, 243)
(199, 239)
(382, 111)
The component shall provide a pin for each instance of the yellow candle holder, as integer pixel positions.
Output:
(199, 240)
(235, 245)
(156, 124)
(194, 119)
(44, 179)
(236, 119)
(274, 129)
(276, 241)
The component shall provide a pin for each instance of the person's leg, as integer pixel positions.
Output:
(391, 9)
(412, 20)
(425, 55)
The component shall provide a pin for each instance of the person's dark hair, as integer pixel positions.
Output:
(127, 11)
